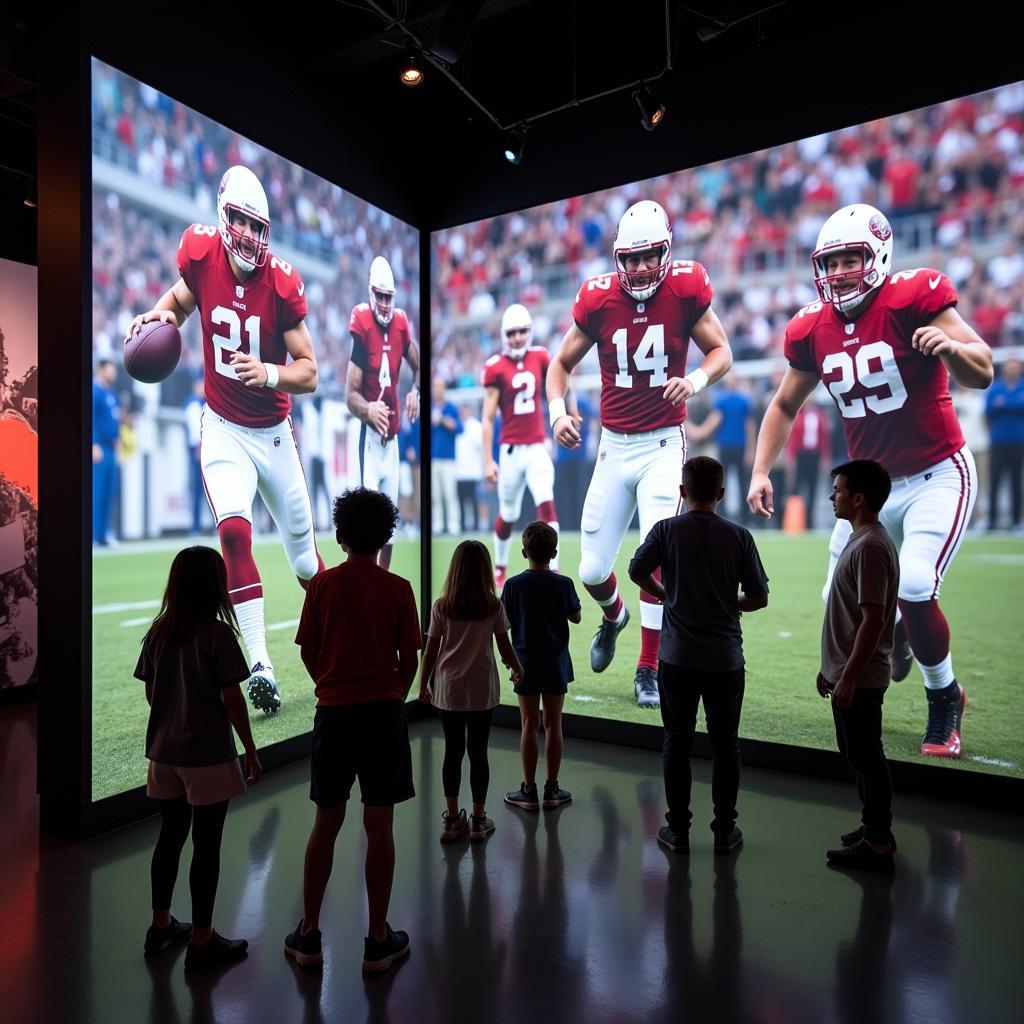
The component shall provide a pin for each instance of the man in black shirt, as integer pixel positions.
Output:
(705, 561)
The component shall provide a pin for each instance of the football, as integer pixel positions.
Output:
(153, 351)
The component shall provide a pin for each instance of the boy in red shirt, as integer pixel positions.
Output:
(360, 638)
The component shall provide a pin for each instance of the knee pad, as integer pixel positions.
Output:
(918, 580)
(594, 570)
(306, 564)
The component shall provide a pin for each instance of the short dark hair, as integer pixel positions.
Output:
(540, 541)
(703, 478)
(364, 520)
(867, 477)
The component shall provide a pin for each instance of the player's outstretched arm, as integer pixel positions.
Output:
(794, 390)
(709, 336)
(491, 398)
(174, 306)
(575, 346)
(951, 337)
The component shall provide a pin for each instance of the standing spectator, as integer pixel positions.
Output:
(572, 469)
(194, 405)
(809, 450)
(705, 561)
(409, 476)
(1004, 410)
(445, 426)
(856, 645)
(106, 430)
(469, 460)
(313, 451)
(359, 637)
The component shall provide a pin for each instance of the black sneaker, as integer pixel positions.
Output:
(215, 953)
(901, 661)
(850, 838)
(646, 686)
(729, 842)
(524, 797)
(379, 956)
(480, 827)
(602, 647)
(945, 714)
(306, 950)
(262, 689)
(676, 842)
(159, 939)
(555, 796)
(863, 857)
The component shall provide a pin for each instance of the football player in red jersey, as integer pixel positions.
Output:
(381, 338)
(252, 308)
(885, 344)
(641, 317)
(514, 381)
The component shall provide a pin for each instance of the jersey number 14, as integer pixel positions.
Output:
(649, 357)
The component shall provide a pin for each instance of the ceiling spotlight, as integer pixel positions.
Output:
(652, 113)
(708, 32)
(514, 144)
(411, 73)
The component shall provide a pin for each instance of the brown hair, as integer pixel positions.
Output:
(468, 591)
(540, 541)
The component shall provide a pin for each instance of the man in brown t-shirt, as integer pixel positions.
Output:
(360, 638)
(856, 643)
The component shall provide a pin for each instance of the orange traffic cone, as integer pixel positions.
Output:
(794, 517)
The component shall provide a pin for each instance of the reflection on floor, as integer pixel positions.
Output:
(565, 916)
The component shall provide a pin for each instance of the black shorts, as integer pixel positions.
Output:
(533, 687)
(370, 741)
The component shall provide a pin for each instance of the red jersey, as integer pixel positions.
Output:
(378, 352)
(248, 316)
(520, 383)
(894, 401)
(641, 344)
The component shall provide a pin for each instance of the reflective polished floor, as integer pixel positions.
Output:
(565, 916)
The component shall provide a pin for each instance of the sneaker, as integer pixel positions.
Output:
(263, 692)
(900, 662)
(159, 939)
(554, 796)
(602, 647)
(306, 950)
(480, 826)
(850, 838)
(729, 842)
(524, 797)
(499, 578)
(379, 956)
(216, 953)
(646, 686)
(676, 842)
(455, 826)
(945, 713)
(860, 855)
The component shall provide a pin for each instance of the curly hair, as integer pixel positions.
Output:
(364, 520)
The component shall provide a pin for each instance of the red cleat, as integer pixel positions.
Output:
(499, 578)
(942, 738)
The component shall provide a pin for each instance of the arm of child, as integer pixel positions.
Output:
(238, 715)
(509, 656)
(573, 610)
(645, 561)
(427, 667)
(149, 692)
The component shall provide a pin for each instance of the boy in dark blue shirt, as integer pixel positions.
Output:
(540, 604)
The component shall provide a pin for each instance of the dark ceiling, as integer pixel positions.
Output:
(317, 80)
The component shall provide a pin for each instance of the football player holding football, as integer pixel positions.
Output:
(641, 317)
(885, 345)
(257, 352)
(514, 382)
(381, 338)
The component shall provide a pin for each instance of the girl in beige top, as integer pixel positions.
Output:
(459, 677)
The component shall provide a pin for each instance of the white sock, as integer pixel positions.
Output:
(501, 550)
(254, 632)
(938, 677)
(651, 615)
(554, 561)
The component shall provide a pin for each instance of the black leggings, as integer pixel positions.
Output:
(207, 824)
(466, 730)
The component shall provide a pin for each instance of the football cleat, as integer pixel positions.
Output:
(499, 578)
(263, 692)
(901, 662)
(942, 738)
(602, 647)
(646, 687)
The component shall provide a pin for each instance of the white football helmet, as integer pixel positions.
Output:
(643, 226)
(857, 228)
(382, 290)
(240, 191)
(516, 318)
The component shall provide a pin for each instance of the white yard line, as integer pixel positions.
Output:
(124, 606)
(290, 624)
(135, 622)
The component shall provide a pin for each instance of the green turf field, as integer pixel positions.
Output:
(980, 598)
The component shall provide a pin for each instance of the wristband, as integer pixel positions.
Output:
(556, 409)
(698, 380)
(273, 375)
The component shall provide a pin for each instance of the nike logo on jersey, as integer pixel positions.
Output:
(933, 282)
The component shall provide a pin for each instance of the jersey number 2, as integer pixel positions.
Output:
(649, 357)
(524, 401)
(859, 369)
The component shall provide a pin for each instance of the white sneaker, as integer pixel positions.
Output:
(263, 692)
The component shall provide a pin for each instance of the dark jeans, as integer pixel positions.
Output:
(197, 493)
(104, 493)
(731, 457)
(681, 690)
(808, 473)
(859, 736)
(466, 731)
(467, 505)
(1005, 460)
